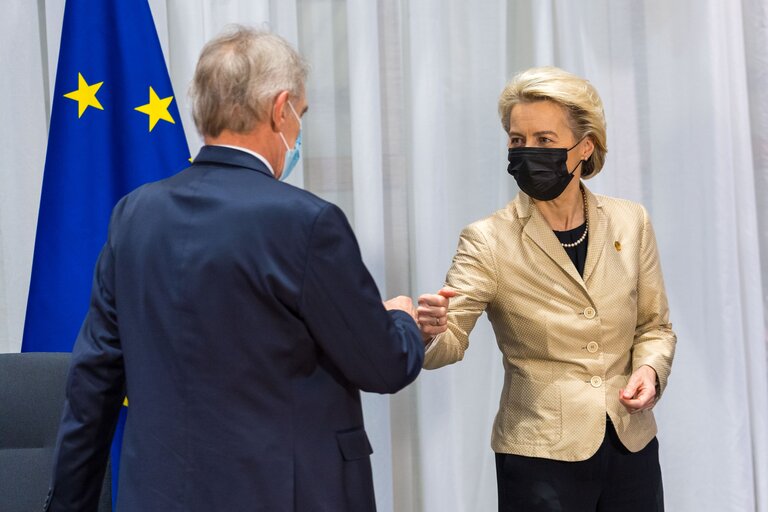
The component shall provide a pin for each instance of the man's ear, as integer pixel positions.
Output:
(278, 113)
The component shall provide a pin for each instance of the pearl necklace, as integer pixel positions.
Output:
(586, 228)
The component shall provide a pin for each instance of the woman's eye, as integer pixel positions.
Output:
(515, 141)
(545, 140)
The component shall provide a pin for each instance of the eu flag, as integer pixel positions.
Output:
(114, 126)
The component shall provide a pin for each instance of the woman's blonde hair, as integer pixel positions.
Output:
(238, 76)
(579, 99)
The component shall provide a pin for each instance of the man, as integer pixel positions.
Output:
(236, 313)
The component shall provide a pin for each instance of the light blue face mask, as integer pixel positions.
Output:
(291, 155)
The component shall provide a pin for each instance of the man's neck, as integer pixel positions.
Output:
(258, 140)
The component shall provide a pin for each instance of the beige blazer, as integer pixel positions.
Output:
(569, 344)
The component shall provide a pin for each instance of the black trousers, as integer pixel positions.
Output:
(612, 480)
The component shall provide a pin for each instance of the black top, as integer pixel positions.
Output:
(577, 254)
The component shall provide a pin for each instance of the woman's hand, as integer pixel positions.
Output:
(432, 313)
(640, 392)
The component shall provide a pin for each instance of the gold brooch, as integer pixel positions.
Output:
(617, 245)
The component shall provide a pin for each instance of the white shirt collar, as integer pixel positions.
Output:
(250, 152)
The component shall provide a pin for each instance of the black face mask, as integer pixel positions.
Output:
(541, 172)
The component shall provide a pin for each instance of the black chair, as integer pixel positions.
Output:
(31, 403)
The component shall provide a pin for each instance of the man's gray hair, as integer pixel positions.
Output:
(238, 76)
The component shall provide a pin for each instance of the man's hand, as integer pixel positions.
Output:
(640, 393)
(432, 313)
(402, 303)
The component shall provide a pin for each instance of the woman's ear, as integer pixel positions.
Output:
(587, 148)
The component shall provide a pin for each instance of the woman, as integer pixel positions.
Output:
(572, 285)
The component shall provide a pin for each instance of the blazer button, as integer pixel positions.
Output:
(596, 381)
(589, 312)
(592, 347)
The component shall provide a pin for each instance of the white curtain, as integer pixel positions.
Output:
(403, 134)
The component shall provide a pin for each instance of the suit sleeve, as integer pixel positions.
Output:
(374, 349)
(94, 393)
(654, 343)
(473, 276)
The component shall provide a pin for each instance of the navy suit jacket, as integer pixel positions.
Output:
(236, 313)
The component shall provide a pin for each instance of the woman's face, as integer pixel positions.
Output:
(543, 124)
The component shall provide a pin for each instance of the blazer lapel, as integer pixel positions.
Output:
(539, 231)
(598, 233)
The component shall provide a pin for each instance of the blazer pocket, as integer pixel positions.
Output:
(533, 412)
(354, 444)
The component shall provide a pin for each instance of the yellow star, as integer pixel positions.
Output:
(85, 95)
(156, 109)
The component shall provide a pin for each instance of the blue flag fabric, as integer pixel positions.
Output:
(114, 126)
